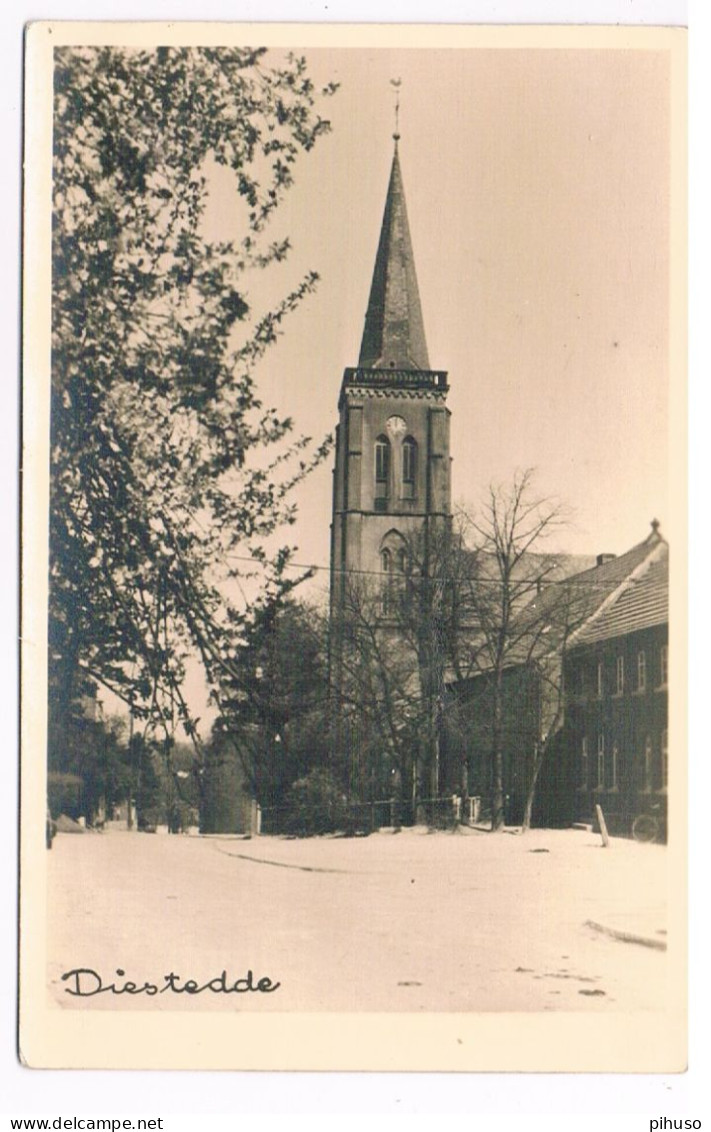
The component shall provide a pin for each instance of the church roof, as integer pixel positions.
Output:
(394, 334)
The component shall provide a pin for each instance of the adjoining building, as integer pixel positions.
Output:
(616, 675)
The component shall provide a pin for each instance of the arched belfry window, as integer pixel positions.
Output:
(394, 563)
(382, 472)
(409, 467)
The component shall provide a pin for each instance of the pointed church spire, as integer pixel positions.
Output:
(394, 334)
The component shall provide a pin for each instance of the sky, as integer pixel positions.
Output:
(538, 194)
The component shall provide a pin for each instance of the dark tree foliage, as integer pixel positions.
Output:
(274, 710)
(315, 805)
(155, 419)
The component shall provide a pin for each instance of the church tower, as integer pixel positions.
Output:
(391, 479)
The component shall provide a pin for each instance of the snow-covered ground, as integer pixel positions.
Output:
(406, 922)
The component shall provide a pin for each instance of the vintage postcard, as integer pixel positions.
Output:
(353, 711)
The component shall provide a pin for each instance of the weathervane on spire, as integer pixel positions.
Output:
(396, 83)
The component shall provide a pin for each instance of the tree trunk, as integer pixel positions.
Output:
(131, 787)
(540, 751)
(465, 792)
(530, 796)
(497, 755)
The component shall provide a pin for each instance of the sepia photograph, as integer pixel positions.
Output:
(354, 388)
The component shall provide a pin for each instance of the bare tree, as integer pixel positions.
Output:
(479, 600)
(379, 698)
(390, 644)
(507, 574)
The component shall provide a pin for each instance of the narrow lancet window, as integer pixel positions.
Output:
(382, 472)
(409, 467)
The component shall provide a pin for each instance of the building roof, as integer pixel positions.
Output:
(640, 600)
(394, 334)
(619, 595)
(588, 592)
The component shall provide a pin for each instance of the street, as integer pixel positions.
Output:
(393, 922)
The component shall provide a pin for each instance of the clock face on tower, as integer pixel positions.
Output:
(396, 426)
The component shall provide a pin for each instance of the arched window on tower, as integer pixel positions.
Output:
(386, 563)
(382, 472)
(409, 467)
(394, 564)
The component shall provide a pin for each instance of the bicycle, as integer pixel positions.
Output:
(647, 827)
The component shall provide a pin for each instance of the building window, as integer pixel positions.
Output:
(647, 765)
(386, 564)
(382, 471)
(665, 759)
(613, 767)
(641, 670)
(382, 459)
(584, 765)
(600, 680)
(663, 666)
(394, 562)
(409, 467)
(620, 676)
(577, 680)
(600, 762)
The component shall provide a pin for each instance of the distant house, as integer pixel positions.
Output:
(591, 692)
